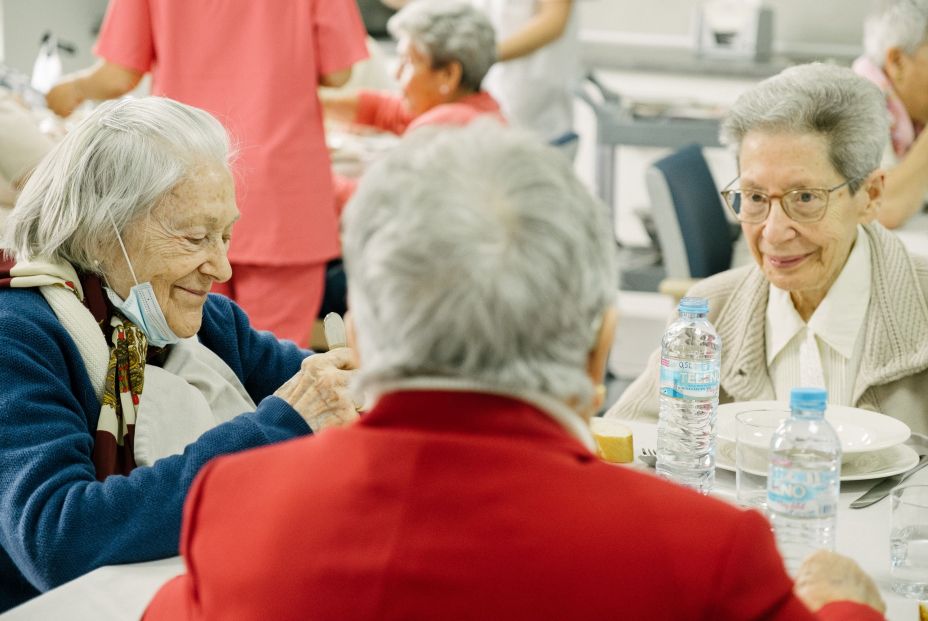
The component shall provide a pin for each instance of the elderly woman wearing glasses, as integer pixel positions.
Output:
(834, 299)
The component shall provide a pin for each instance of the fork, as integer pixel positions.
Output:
(648, 457)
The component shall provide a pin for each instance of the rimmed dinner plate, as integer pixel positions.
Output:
(859, 430)
(854, 467)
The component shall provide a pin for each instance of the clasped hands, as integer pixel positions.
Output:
(320, 392)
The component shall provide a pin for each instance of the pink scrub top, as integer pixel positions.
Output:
(255, 65)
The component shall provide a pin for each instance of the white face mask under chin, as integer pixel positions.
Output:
(141, 307)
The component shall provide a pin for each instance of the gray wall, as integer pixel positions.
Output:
(818, 25)
(24, 21)
(802, 26)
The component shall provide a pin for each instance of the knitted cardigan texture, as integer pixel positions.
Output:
(893, 375)
(56, 521)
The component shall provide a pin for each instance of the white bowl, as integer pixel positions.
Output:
(859, 430)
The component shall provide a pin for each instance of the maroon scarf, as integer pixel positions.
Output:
(109, 456)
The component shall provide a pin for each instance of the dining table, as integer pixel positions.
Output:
(122, 592)
(862, 534)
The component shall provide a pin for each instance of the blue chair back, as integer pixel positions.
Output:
(694, 217)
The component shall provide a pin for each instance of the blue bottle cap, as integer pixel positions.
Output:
(814, 399)
(693, 305)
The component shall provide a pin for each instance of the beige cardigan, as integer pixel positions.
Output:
(893, 375)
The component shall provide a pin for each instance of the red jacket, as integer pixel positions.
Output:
(454, 505)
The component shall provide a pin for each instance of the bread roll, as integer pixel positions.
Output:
(613, 440)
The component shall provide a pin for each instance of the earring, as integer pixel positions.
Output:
(444, 89)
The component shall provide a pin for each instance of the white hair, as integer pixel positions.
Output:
(115, 166)
(896, 23)
(475, 253)
(848, 110)
(449, 31)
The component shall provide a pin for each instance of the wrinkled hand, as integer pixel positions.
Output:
(319, 391)
(64, 97)
(828, 577)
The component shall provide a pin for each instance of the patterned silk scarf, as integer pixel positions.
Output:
(85, 315)
(114, 441)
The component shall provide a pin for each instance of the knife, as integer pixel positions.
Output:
(882, 489)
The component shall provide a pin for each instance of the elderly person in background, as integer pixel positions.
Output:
(446, 49)
(896, 60)
(122, 376)
(22, 145)
(834, 300)
(469, 491)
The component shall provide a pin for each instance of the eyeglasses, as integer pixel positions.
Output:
(801, 204)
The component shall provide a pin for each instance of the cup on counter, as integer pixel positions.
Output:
(754, 429)
(908, 541)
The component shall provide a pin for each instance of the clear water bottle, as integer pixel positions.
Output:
(803, 478)
(690, 361)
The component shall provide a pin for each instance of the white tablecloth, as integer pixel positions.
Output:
(117, 592)
(863, 534)
(122, 592)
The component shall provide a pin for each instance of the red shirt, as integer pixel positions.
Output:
(255, 65)
(389, 113)
(452, 506)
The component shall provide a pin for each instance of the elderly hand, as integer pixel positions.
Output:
(319, 391)
(64, 97)
(828, 577)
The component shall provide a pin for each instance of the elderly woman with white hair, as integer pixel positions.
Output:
(122, 375)
(484, 316)
(896, 60)
(446, 48)
(834, 299)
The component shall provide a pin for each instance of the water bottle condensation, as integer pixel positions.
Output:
(689, 396)
(803, 478)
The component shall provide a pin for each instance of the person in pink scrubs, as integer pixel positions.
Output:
(256, 67)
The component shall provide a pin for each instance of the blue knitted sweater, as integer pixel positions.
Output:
(56, 520)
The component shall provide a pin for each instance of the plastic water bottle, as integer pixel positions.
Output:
(690, 363)
(803, 478)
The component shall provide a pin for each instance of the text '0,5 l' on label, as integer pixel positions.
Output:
(686, 379)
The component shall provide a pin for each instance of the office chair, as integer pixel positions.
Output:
(695, 237)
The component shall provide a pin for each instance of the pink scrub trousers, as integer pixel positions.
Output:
(283, 299)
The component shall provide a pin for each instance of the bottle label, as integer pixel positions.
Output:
(686, 379)
(801, 493)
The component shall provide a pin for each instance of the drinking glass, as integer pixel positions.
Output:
(754, 429)
(908, 541)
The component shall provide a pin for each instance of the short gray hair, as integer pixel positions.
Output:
(475, 253)
(896, 23)
(447, 31)
(117, 163)
(834, 102)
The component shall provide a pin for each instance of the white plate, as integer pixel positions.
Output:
(854, 467)
(859, 430)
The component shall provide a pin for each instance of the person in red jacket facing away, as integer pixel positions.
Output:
(481, 280)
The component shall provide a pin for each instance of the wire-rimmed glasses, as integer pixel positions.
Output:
(800, 204)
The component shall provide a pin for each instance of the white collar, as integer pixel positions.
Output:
(839, 317)
(567, 418)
